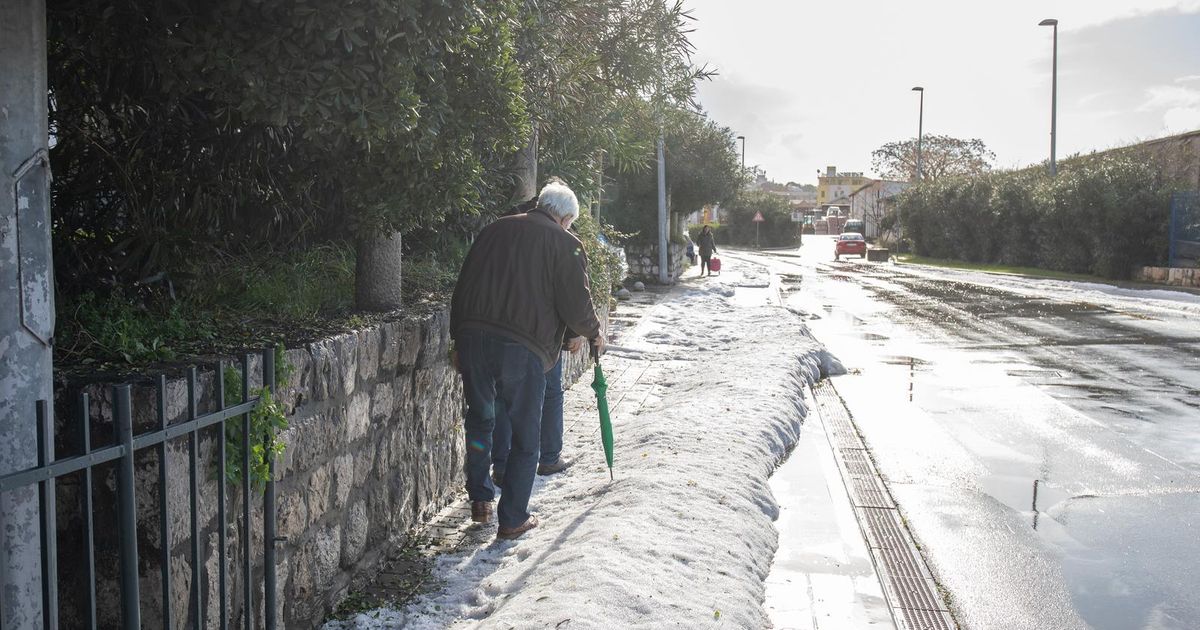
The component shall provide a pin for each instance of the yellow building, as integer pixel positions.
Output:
(835, 186)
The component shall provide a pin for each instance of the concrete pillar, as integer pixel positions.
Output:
(26, 296)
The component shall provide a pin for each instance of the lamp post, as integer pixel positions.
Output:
(743, 139)
(1053, 94)
(920, 125)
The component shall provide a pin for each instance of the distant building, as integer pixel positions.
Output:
(873, 201)
(709, 215)
(833, 186)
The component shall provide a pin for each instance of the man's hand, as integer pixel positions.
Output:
(575, 343)
(600, 344)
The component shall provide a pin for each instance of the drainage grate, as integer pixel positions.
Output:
(868, 494)
(924, 620)
(907, 582)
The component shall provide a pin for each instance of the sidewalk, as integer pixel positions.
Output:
(707, 393)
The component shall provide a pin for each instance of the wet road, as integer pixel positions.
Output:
(1042, 438)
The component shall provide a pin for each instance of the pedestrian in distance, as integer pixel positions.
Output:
(708, 247)
(523, 283)
(691, 252)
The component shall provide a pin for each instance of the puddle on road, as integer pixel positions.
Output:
(904, 360)
(1023, 494)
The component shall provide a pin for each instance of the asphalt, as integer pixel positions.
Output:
(1039, 437)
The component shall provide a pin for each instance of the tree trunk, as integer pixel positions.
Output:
(377, 273)
(524, 169)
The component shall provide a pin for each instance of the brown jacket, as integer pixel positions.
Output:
(525, 278)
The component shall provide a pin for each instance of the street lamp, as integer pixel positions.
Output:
(1053, 94)
(920, 125)
(743, 139)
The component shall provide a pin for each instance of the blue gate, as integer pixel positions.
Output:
(1185, 229)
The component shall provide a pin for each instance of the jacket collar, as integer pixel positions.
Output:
(543, 214)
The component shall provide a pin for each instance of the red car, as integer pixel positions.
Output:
(849, 244)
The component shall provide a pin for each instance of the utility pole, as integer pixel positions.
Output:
(920, 126)
(663, 241)
(1053, 94)
(26, 302)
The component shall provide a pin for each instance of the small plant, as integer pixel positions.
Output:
(267, 420)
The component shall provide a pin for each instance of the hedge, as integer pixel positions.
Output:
(1101, 215)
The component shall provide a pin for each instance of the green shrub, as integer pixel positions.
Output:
(1101, 215)
(606, 269)
(776, 230)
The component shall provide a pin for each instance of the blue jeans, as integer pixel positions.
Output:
(499, 371)
(552, 424)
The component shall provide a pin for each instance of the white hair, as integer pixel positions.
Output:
(558, 200)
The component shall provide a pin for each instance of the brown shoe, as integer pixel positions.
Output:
(553, 467)
(481, 511)
(505, 533)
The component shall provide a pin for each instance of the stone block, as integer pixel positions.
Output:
(381, 402)
(327, 371)
(347, 356)
(358, 416)
(291, 514)
(369, 352)
(410, 343)
(389, 348)
(327, 553)
(343, 480)
(435, 340)
(354, 539)
(319, 493)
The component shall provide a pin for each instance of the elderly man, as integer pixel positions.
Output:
(524, 282)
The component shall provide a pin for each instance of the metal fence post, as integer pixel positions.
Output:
(127, 505)
(1172, 229)
(47, 505)
(269, 576)
(247, 565)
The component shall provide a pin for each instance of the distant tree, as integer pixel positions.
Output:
(941, 156)
(702, 168)
(590, 68)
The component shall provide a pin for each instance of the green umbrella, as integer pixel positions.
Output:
(606, 432)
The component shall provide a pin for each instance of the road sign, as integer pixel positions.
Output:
(758, 218)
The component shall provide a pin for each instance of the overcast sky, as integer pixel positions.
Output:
(812, 84)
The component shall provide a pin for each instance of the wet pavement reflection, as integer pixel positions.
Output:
(1040, 437)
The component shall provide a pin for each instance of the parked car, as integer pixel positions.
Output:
(849, 244)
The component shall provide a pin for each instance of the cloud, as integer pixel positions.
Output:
(1179, 106)
(1169, 96)
(1181, 119)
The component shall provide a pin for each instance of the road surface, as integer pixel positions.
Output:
(1042, 438)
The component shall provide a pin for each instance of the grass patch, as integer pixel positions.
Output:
(221, 307)
(1005, 269)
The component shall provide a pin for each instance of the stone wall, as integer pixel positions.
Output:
(1174, 276)
(374, 446)
(643, 262)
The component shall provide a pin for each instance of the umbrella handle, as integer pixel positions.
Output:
(592, 350)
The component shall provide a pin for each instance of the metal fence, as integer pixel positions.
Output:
(49, 471)
(1185, 229)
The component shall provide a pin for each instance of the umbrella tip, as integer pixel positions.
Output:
(610, 474)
